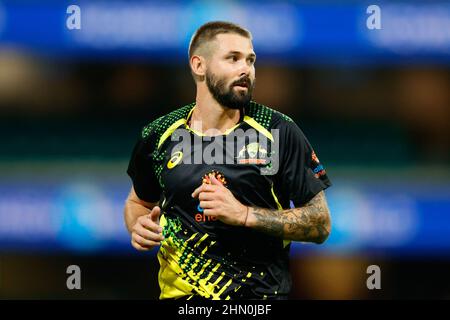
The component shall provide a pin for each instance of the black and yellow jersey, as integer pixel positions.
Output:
(200, 255)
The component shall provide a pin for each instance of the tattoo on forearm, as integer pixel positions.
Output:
(310, 223)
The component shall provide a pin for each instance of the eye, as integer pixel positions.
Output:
(233, 58)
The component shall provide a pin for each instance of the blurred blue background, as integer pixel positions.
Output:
(375, 104)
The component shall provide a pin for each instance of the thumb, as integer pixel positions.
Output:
(215, 181)
(154, 215)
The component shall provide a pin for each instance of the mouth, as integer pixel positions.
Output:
(242, 85)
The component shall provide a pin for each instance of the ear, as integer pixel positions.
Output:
(198, 66)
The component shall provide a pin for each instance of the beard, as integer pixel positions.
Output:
(225, 95)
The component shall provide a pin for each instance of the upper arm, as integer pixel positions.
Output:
(319, 200)
(133, 197)
(303, 176)
(146, 185)
(320, 205)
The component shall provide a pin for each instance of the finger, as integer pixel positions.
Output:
(210, 212)
(148, 235)
(154, 215)
(206, 196)
(145, 243)
(208, 204)
(215, 181)
(203, 188)
(197, 191)
(149, 224)
(138, 247)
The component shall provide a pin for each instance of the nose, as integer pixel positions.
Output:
(244, 69)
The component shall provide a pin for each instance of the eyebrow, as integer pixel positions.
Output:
(253, 55)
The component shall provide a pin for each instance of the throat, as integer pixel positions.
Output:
(210, 124)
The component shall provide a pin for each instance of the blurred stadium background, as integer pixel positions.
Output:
(375, 104)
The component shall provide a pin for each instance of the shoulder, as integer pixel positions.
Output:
(267, 116)
(268, 121)
(155, 129)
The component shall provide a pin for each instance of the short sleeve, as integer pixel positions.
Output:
(301, 173)
(140, 170)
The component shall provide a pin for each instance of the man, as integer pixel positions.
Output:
(224, 228)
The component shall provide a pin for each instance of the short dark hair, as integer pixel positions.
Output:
(210, 30)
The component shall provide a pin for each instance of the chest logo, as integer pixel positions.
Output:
(218, 175)
(249, 154)
(206, 179)
(175, 159)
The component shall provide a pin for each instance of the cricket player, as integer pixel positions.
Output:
(222, 185)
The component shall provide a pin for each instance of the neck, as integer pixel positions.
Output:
(210, 116)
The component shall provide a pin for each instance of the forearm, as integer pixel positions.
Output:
(310, 223)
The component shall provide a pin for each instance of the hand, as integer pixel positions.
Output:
(146, 232)
(217, 201)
